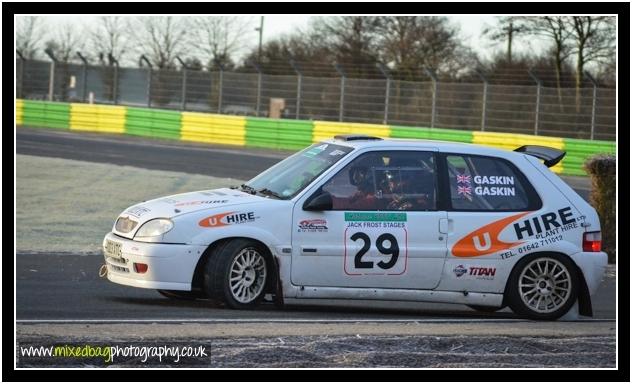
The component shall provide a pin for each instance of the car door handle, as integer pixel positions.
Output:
(445, 226)
(309, 250)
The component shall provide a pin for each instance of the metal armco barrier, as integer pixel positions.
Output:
(272, 133)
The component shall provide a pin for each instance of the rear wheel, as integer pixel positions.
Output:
(237, 273)
(543, 287)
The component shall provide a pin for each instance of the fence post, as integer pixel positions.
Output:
(258, 69)
(537, 102)
(84, 76)
(433, 76)
(220, 86)
(342, 90)
(184, 83)
(149, 70)
(484, 111)
(115, 80)
(20, 74)
(386, 73)
(51, 78)
(594, 105)
(299, 82)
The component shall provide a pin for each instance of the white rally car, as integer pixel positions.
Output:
(358, 217)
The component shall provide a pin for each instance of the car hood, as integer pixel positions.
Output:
(176, 205)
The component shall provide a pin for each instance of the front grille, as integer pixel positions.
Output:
(125, 224)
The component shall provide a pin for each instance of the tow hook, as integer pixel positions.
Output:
(103, 271)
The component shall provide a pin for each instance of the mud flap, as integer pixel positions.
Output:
(278, 289)
(583, 298)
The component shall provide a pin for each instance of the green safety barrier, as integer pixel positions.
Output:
(153, 123)
(278, 134)
(577, 151)
(45, 114)
(431, 134)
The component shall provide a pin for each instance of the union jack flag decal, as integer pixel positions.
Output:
(466, 191)
(466, 179)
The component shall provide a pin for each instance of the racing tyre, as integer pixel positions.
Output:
(484, 308)
(237, 273)
(543, 287)
(182, 295)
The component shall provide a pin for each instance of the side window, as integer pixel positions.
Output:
(386, 181)
(482, 183)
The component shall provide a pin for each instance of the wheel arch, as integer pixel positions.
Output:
(198, 275)
(583, 294)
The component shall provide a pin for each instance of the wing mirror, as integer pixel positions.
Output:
(320, 201)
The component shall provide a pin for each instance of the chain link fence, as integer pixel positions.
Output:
(478, 106)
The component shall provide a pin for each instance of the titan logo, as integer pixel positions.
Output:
(481, 271)
(484, 240)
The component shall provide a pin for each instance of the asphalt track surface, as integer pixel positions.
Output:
(67, 286)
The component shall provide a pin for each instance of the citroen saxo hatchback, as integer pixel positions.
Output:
(358, 217)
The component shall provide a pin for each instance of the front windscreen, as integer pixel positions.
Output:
(291, 175)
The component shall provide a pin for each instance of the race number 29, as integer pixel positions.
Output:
(375, 252)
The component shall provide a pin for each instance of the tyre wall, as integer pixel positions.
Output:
(279, 134)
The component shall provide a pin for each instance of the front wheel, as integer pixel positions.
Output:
(237, 273)
(543, 287)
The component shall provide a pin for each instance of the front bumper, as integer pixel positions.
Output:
(593, 266)
(170, 266)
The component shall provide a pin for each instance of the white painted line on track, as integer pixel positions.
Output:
(219, 321)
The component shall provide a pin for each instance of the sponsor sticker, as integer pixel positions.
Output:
(494, 186)
(545, 229)
(484, 240)
(313, 225)
(227, 218)
(480, 273)
(316, 150)
(460, 270)
(138, 210)
(463, 179)
(376, 216)
(464, 190)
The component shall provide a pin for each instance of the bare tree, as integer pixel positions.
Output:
(66, 41)
(557, 29)
(109, 43)
(108, 39)
(507, 29)
(29, 31)
(351, 41)
(409, 43)
(220, 37)
(161, 39)
(594, 40)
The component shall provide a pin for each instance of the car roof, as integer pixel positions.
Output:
(443, 146)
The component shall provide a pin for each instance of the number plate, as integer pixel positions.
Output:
(113, 249)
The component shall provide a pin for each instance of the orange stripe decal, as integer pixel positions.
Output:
(485, 240)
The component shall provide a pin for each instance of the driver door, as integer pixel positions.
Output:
(382, 229)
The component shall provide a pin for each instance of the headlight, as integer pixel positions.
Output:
(154, 228)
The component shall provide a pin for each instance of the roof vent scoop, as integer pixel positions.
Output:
(551, 156)
(356, 137)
